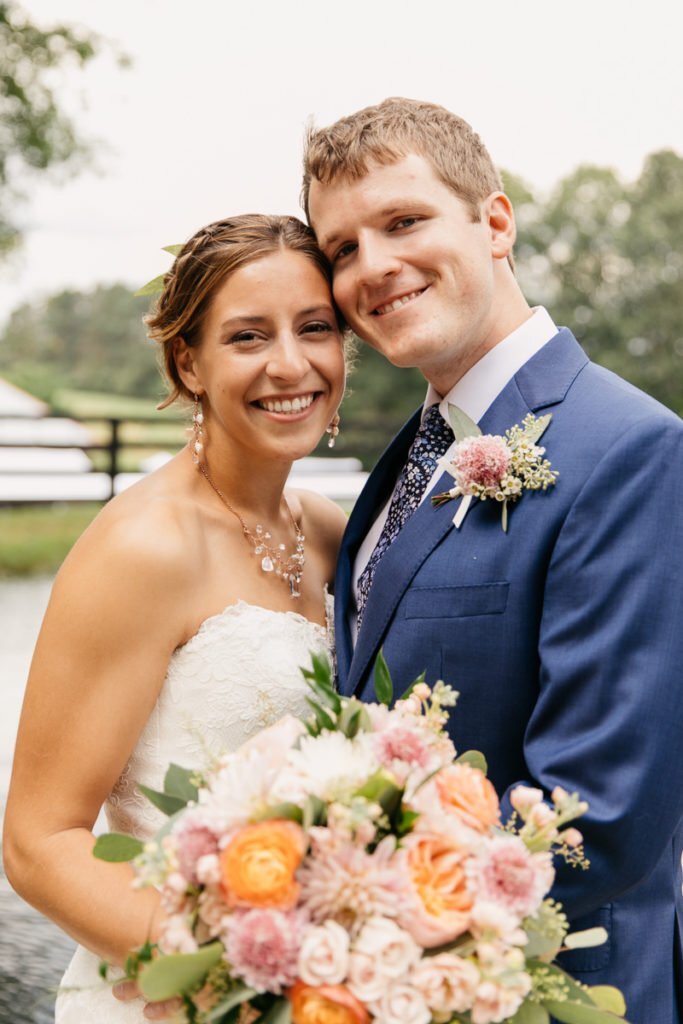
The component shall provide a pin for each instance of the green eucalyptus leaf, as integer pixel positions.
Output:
(575, 992)
(152, 287)
(530, 1013)
(173, 249)
(475, 759)
(116, 848)
(235, 997)
(462, 425)
(178, 973)
(578, 1013)
(178, 782)
(586, 939)
(384, 688)
(504, 516)
(608, 998)
(168, 804)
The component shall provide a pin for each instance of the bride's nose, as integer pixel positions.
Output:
(287, 359)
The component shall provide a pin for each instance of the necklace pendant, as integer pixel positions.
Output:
(267, 564)
(294, 587)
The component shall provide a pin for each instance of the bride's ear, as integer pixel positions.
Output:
(186, 365)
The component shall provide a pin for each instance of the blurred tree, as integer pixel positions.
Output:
(94, 341)
(35, 134)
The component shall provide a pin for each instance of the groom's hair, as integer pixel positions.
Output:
(386, 133)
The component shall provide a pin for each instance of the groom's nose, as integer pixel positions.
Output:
(376, 260)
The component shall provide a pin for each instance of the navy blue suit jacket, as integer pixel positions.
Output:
(564, 637)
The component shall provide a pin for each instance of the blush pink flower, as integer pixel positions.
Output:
(191, 844)
(506, 873)
(480, 462)
(263, 947)
(404, 745)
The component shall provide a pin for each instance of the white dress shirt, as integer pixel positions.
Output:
(474, 393)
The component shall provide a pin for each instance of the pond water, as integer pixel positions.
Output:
(33, 952)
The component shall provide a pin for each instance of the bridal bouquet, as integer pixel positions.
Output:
(352, 869)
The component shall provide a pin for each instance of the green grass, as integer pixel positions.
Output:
(35, 541)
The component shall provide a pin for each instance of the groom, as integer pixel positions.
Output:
(564, 635)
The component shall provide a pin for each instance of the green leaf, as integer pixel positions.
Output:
(280, 1012)
(462, 425)
(287, 812)
(323, 690)
(115, 848)
(586, 939)
(152, 287)
(384, 688)
(406, 820)
(475, 759)
(178, 782)
(178, 973)
(315, 812)
(321, 716)
(536, 431)
(530, 1013)
(234, 998)
(576, 992)
(173, 249)
(608, 998)
(578, 1013)
(168, 804)
(420, 679)
(354, 718)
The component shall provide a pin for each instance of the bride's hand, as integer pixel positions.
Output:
(127, 990)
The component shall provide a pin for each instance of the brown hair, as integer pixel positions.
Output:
(391, 130)
(203, 264)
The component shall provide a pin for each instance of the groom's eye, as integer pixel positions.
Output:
(343, 250)
(406, 222)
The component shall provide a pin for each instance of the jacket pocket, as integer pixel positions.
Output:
(580, 961)
(456, 602)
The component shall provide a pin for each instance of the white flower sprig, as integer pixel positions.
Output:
(490, 466)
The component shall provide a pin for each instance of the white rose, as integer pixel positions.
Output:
(391, 946)
(365, 979)
(494, 1003)
(401, 1004)
(324, 954)
(447, 983)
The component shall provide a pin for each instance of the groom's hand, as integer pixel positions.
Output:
(127, 990)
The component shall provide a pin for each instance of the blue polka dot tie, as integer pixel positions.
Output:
(432, 440)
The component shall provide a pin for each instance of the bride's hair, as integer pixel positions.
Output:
(201, 267)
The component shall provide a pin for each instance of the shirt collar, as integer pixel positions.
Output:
(480, 386)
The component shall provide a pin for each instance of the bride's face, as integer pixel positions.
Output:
(270, 362)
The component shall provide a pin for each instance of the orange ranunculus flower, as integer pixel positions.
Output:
(466, 791)
(325, 1004)
(441, 904)
(259, 864)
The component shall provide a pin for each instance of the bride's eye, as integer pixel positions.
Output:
(319, 327)
(243, 336)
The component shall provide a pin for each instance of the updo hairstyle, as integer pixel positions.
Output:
(201, 267)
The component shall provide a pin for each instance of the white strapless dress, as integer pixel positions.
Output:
(239, 673)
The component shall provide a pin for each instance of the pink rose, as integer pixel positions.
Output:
(494, 1003)
(402, 1003)
(324, 954)
(447, 983)
(391, 947)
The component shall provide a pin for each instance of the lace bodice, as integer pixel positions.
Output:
(239, 673)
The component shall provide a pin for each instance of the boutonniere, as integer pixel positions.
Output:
(490, 466)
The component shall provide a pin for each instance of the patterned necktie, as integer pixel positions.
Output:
(432, 440)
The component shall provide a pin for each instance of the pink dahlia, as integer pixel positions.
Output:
(481, 462)
(402, 744)
(509, 875)
(263, 947)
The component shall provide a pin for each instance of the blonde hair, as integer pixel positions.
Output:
(391, 130)
(201, 267)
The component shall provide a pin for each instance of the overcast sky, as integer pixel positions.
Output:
(210, 118)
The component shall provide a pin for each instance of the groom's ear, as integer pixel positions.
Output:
(497, 212)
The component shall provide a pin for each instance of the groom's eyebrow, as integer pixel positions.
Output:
(397, 206)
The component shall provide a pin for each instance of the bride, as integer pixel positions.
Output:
(178, 623)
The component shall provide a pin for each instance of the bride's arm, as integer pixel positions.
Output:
(114, 618)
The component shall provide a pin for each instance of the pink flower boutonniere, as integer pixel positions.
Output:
(490, 466)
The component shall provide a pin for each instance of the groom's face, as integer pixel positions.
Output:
(413, 271)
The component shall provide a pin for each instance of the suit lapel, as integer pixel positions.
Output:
(543, 381)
